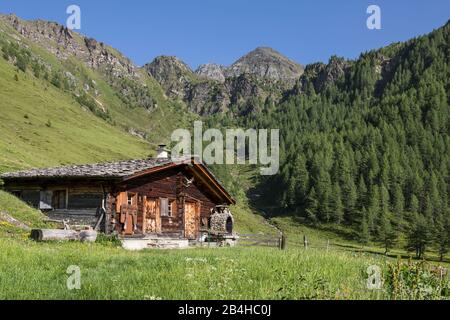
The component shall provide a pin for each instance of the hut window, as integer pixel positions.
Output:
(131, 199)
(84, 201)
(32, 197)
(170, 208)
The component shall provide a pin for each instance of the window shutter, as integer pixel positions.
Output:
(45, 202)
(174, 208)
(164, 207)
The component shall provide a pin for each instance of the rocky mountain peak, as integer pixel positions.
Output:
(212, 71)
(212, 88)
(267, 63)
(169, 65)
(172, 74)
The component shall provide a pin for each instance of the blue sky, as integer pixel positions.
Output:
(201, 31)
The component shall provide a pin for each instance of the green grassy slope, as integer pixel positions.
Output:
(20, 211)
(42, 126)
(157, 123)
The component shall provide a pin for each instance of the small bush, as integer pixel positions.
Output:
(37, 69)
(22, 62)
(108, 240)
(415, 281)
(87, 101)
(56, 80)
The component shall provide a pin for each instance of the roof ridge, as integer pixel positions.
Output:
(119, 168)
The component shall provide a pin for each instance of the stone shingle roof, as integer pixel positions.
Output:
(108, 170)
(99, 170)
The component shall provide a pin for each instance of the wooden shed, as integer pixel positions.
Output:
(136, 197)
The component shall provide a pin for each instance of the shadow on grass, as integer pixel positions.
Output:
(341, 232)
(350, 235)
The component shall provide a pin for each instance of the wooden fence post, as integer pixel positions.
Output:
(328, 245)
(305, 241)
(283, 242)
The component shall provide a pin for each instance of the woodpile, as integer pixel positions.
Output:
(222, 221)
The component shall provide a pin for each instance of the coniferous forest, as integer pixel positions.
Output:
(366, 144)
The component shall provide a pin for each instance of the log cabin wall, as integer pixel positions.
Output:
(76, 201)
(172, 185)
(149, 190)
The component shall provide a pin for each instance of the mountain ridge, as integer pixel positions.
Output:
(212, 89)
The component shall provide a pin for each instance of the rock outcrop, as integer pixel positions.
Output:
(266, 63)
(64, 43)
(212, 71)
(321, 75)
(172, 74)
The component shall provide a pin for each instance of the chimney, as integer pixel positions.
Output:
(163, 153)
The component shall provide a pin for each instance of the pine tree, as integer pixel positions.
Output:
(313, 206)
(336, 206)
(414, 204)
(323, 189)
(398, 201)
(384, 198)
(301, 176)
(350, 196)
(386, 233)
(442, 235)
(418, 237)
(374, 207)
(364, 232)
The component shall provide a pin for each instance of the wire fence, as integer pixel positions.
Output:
(282, 242)
(262, 240)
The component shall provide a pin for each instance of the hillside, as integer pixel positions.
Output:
(366, 145)
(97, 76)
(42, 126)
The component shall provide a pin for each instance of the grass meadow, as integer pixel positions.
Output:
(31, 270)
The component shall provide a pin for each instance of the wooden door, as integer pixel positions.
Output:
(129, 225)
(128, 219)
(152, 216)
(59, 199)
(127, 207)
(191, 220)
